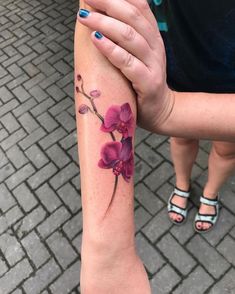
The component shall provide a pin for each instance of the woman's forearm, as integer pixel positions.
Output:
(201, 115)
(105, 155)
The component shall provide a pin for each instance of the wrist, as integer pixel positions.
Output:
(163, 119)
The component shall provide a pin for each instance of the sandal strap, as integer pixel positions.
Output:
(206, 218)
(174, 208)
(207, 201)
(181, 193)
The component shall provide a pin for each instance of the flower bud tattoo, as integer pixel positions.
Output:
(115, 155)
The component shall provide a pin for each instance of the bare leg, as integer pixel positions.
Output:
(183, 153)
(109, 260)
(220, 166)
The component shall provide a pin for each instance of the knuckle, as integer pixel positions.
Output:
(129, 33)
(128, 61)
(134, 13)
(143, 5)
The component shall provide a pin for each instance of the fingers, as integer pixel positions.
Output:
(144, 7)
(122, 34)
(124, 11)
(128, 64)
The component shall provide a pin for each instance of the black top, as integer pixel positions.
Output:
(199, 38)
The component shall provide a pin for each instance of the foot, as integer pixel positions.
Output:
(181, 202)
(205, 209)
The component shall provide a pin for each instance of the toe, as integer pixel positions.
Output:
(179, 218)
(199, 225)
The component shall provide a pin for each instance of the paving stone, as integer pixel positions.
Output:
(141, 218)
(9, 218)
(159, 176)
(48, 197)
(157, 226)
(151, 158)
(38, 93)
(29, 222)
(225, 223)
(73, 226)
(198, 282)
(6, 171)
(36, 250)
(24, 107)
(16, 156)
(77, 243)
(13, 139)
(32, 138)
(225, 285)
(6, 199)
(64, 175)
(68, 280)
(146, 198)
(47, 121)
(141, 170)
(36, 156)
(52, 138)
(214, 263)
(155, 140)
(164, 150)
(202, 158)
(42, 107)
(3, 159)
(28, 122)
(58, 156)
(54, 221)
(10, 123)
(161, 283)
(227, 198)
(63, 251)
(227, 249)
(42, 278)
(15, 276)
(55, 92)
(232, 232)
(182, 260)
(42, 175)
(25, 197)
(3, 268)
(11, 248)
(148, 254)
(70, 197)
(5, 94)
(21, 175)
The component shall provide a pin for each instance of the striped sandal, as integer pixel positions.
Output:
(171, 207)
(208, 218)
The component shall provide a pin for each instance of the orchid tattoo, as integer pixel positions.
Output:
(115, 155)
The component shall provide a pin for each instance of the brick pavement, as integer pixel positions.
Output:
(40, 205)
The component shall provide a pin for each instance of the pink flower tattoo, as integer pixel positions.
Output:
(119, 118)
(115, 155)
(119, 157)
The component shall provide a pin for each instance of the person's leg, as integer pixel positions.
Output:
(183, 154)
(221, 165)
(106, 116)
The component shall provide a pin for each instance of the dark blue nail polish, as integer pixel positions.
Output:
(83, 13)
(98, 35)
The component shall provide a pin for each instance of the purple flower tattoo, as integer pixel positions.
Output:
(115, 155)
(119, 157)
(119, 118)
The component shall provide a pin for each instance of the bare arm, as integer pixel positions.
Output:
(106, 115)
(200, 115)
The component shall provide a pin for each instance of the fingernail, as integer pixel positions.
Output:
(83, 13)
(98, 35)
